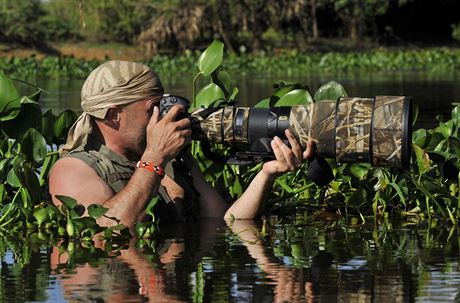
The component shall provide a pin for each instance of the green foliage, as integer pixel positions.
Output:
(28, 143)
(456, 31)
(285, 64)
(429, 189)
(19, 22)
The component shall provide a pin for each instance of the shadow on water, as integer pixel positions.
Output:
(433, 93)
(208, 261)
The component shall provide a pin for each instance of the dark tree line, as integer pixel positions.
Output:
(244, 25)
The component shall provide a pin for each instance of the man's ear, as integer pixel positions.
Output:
(113, 117)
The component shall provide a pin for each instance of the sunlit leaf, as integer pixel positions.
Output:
(264, 103)
(67, 201)
(10, 102)
(423, 161)
(330, 91)
(234, 94)
(211, 58)
(41, 215)
(295, 97)
(359, 170)
(208, 95)
(281, 91)
(96, 210)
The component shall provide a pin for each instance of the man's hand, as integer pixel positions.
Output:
(166, 137)
(287, 159)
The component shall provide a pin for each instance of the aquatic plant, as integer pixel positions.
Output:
(286, 63)
(429, 190)
(29, 140)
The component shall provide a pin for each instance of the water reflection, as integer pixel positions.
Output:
(209, 261)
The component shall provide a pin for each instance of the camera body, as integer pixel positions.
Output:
(168, 101)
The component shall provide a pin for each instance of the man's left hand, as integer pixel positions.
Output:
(287, 159)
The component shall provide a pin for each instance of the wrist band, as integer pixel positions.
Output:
(151, 167)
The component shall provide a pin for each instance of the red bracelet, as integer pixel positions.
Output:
(151, 167)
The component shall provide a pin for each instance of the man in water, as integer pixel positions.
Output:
(119, 149)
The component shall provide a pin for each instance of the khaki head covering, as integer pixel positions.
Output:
(112, 83)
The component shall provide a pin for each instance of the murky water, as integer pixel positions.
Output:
(432, 93)
(297, 261)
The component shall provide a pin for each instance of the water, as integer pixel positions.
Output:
(432, 93)
(297, 261)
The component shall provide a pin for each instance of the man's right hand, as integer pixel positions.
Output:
(166, 137)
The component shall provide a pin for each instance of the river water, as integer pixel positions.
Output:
(288, 260)
(294, 261)
(433, 93)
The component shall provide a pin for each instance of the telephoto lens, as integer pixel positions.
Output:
(372, 130)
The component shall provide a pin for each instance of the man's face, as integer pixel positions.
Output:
(135, 118)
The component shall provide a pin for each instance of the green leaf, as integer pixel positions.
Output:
(264, 103)
(211, 58)
(63, 123)
(359, 170)
(330, 91)
(281, 91)
(2, 193)
(46, 168)
(445, 128)
(12, 179)
(234, 94)
(29, 180)
(28, 117)
(208, 95)
(150, 206)
(295, 97)
(10, 102)
(67, 201)
(423, 161)
(41, 215)
(96, 210)
(226, 80)
(34, 146)
(48, 120)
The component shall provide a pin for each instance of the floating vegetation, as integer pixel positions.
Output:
(285, 64)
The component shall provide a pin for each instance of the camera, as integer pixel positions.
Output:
(350, 129)
(168, 101)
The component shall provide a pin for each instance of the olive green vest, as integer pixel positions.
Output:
(116, 171)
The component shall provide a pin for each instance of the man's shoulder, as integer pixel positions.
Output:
(74, 178)
(71, 166)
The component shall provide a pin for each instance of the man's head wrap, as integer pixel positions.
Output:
(112, 83)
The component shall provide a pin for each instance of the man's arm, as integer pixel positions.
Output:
(250, 203)
(74, 178)
(288, 159)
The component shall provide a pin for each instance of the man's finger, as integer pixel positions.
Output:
(155, 116)
(174, 111)
(288, 154)
(309, 151)
(277, 150)
(183, 123)
(295, 146)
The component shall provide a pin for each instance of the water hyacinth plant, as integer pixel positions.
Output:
(429, 190)
(29, 140)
